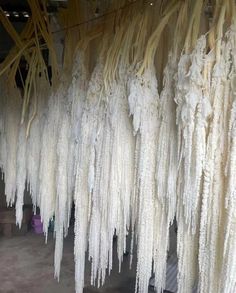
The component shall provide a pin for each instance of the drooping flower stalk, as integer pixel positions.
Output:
(21, 173)
(33, 147)
(48, 158)
(84, 184)
(62, 192)
(228, 283)
(11, 126)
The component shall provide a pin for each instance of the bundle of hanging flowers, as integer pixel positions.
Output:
(137, 127)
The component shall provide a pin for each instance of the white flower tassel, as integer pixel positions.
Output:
(143, 101)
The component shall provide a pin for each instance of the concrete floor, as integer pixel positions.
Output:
(26, 266)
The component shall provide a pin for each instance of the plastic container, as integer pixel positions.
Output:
(37, 225)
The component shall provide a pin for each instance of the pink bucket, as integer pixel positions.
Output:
(37, 224)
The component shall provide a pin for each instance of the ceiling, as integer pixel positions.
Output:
(18, 12)
(14, 5)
